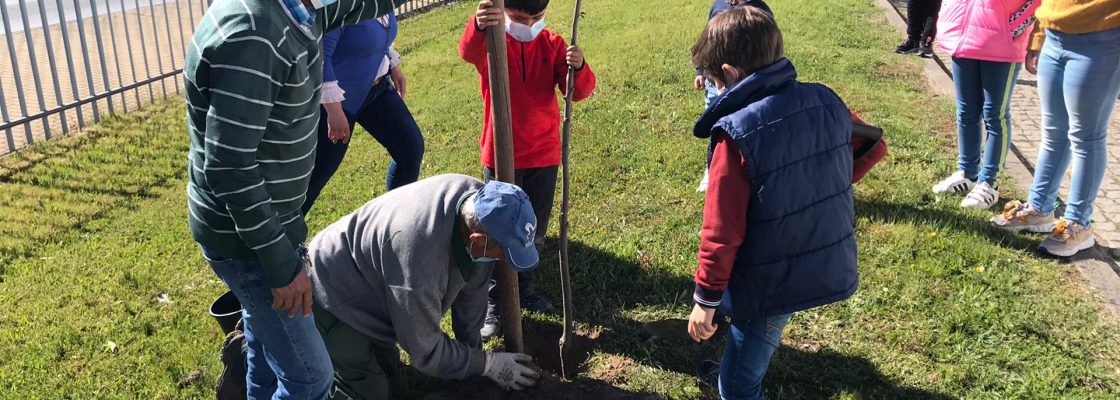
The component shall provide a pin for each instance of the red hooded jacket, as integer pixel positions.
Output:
(536, 69)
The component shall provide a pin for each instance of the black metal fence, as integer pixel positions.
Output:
(70, 62)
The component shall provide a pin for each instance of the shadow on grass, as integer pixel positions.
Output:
(930, 216)
(794, 373)
(825, 374)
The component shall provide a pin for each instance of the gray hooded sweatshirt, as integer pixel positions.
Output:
(395, 266)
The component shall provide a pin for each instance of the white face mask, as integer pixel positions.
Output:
(322, 3)
(522, 32)
(482, 259)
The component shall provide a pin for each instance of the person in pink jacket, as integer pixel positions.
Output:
(987, 40)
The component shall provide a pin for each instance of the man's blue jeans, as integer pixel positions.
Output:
(287, 358)
(1078, 82)
(750, 343)
(983, 115)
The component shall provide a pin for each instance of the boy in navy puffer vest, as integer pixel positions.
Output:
(778, 216)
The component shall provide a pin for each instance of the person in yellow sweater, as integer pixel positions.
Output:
(1075, 50)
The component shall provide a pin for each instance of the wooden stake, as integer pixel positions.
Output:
(565, 273)
(509, 300)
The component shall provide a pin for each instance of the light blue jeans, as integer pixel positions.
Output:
(1078, 82)
(983, 115)
(287, 358)
(746, 358)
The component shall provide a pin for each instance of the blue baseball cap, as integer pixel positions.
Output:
(507, 216)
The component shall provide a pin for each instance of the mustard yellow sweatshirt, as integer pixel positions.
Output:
(1074, 17)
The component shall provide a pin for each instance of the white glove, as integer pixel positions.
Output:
(508, 370)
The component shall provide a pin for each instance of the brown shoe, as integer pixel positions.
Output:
(1068, 238)
(1018, 216)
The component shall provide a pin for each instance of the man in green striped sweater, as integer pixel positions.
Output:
(253, 74)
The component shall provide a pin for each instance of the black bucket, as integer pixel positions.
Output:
(227, 311)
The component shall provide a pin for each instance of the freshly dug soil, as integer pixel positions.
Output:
(550, 387)
(542, 342)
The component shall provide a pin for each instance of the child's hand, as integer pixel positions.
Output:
(1032, 62)
(338, 127)
(700, 325)
(575, 57)
(487, 15)
(699, 82)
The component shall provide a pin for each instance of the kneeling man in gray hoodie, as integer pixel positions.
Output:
(388, 272)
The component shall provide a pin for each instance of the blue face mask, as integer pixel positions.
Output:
(322, 3)
(482, 259)
(522, 32)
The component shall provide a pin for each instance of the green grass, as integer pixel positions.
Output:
(92, 230)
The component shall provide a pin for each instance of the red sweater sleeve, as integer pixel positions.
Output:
(585, 79)
(472, 46)
(725, 221)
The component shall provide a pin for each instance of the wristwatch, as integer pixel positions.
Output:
(305, 255)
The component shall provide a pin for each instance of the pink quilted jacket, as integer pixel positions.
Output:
(990, 30)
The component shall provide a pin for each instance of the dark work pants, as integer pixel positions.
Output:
(540, 185)
(921, 19)
(362, 365)
(386, 118)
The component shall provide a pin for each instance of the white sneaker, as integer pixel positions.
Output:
(955, 183)
(981, 197)
(1068, 238)
(703, 187)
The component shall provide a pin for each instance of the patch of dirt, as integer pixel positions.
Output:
(193, 378)
(550, 387)
(542, 342)
(613, 368)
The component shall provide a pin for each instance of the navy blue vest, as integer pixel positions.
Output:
(799, 251)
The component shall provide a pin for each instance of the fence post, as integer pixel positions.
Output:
(170, 46)
(144, 50)
(4, 114)
(46, 26)
(62, 24)
(101, 54)
(182, 41)
(15, 65)
(128, 44)
(34, 69)
(92, 89)
(159, 50)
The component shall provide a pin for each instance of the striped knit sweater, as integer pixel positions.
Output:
(253, 76)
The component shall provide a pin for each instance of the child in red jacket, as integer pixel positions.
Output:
(539, 61)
